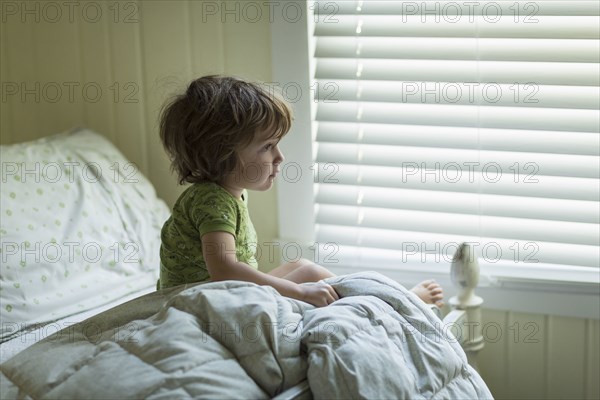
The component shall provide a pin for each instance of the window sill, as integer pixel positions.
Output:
(570, 299)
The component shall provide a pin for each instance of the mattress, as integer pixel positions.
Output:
(28, 337)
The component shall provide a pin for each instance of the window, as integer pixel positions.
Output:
(441, 122)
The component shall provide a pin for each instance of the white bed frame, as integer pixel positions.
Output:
(464, 320)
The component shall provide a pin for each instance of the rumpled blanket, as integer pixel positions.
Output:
(236, 339)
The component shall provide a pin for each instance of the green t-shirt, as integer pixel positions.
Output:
(202, 208)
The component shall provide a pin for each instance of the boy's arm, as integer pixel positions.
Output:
(218, 249)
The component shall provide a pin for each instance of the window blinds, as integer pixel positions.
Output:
(443, 122)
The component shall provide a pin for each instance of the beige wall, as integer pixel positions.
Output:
(140, 52)
(136, 53)
(533, 356)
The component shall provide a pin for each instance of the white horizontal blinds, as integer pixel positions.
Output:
(442, 122)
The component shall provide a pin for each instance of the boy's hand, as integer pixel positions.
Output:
(318, 294)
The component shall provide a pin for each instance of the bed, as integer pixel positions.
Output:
(80, 316)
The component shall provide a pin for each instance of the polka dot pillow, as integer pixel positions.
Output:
(80, 227)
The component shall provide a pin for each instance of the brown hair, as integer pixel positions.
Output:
(203, 129)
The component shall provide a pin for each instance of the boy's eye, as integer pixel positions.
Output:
(269, 146)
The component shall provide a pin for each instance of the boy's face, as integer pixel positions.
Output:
(259, 164)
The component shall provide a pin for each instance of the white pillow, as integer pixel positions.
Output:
(80, 228)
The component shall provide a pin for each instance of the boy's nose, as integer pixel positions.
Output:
(279, 156)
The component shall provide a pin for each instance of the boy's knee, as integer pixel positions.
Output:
(301, 262)
(313, 272)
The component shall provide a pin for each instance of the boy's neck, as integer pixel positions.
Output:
(234, 191)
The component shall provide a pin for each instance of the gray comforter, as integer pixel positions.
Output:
(239, 340)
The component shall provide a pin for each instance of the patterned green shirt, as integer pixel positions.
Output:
(202, 208)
